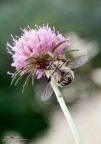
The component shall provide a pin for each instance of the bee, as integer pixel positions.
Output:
(62, 71)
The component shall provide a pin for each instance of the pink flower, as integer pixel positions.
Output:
(34, 43)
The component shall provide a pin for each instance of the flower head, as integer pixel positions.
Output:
(33, 47)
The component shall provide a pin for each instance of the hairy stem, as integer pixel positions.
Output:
(65, 111)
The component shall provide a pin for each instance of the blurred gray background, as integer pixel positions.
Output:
(25, 115)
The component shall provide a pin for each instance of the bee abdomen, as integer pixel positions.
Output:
(67, 81)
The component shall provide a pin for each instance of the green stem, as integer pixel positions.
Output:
(65, 111)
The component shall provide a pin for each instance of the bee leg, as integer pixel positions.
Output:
(49, 79)
(73, 69)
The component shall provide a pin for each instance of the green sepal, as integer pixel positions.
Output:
(46, 55)
(50, 54)
(16, 74)
(18, 80)
(42, 59)
(58, 45)
(33, 78)
(31, 58)
(70, 50)
(22, 76)
(26, 82)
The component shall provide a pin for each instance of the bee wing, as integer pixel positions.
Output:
(77, 62)
(47, 92)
